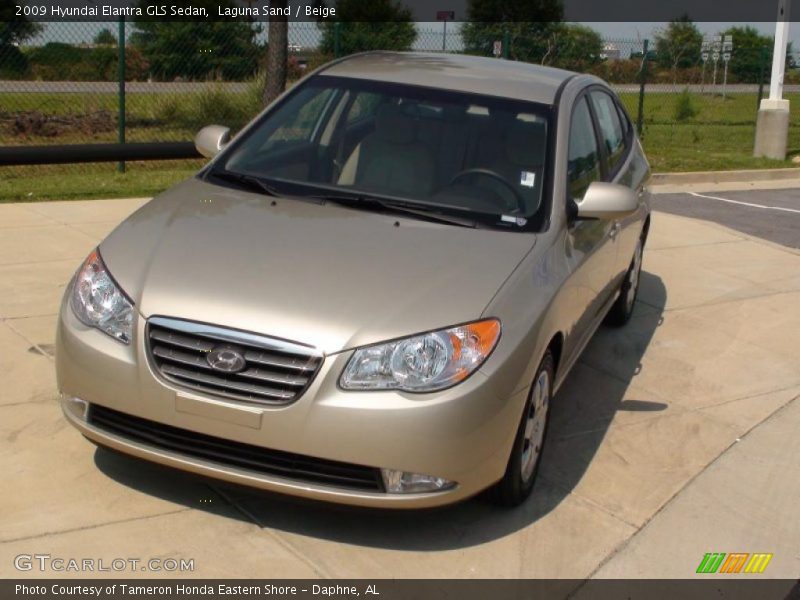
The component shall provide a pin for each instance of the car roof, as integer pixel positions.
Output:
(455, 72)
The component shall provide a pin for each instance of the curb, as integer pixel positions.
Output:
(724, 176)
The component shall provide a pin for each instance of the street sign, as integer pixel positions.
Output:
(704, 56)
(497, 50)
(715, 56)
(445, 15)
(726, 56)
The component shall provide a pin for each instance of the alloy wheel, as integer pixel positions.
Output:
(535, 423)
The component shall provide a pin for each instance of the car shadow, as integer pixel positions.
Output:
(581, 415)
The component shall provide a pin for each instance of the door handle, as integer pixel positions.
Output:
(615, 227)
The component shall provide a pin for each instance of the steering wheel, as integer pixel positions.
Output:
(491, 175)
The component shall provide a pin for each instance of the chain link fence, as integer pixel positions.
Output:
(63, 85)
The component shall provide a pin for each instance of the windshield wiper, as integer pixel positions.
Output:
(259, 185)
(375, 203)
(361, 200)
(248, 181)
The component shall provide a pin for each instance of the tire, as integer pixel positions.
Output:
(622, 309)
(523, 464)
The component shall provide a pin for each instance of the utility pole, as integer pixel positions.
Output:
(121, 88)
(772, 126)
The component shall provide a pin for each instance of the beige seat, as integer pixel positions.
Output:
(391, 160)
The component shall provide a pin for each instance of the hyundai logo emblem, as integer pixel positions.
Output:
(228, 359)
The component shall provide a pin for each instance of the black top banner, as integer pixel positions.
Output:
(419, 10)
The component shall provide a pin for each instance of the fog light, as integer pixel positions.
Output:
(76, 406)
(402, 482)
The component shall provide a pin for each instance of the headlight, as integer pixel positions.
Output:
(422, 363)
(98, 302)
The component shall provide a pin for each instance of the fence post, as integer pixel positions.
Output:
(762, 59)
(506, 44)
(642, 80)
(337, 39)
(121, 87)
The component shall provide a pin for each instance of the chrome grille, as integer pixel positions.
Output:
(275, 371)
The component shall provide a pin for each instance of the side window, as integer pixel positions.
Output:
(584, 161)
(610, 128)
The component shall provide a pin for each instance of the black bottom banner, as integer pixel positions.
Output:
(390, 589)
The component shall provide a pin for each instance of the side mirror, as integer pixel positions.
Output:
(211, 139)
(607, 201)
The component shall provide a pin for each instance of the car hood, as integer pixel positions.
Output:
(323, 275)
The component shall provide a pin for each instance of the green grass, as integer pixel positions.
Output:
(149, 117)
(735, 109)
(718, 137)
(686, 147)
(76, 182)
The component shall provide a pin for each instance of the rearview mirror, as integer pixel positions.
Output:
(211, 139)
(607, 201)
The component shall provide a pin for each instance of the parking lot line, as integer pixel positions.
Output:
(750, 204)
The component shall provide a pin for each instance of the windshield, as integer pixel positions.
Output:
(440, 150)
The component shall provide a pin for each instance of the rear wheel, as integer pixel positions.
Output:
(622, 309)
(523, 464)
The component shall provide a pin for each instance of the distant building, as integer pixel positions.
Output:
(610, 51)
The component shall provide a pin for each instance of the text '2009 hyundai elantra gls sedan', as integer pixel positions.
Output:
(371, 294)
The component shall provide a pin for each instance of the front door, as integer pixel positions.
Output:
(589, 243)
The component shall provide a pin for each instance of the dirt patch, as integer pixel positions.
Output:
(37, 124)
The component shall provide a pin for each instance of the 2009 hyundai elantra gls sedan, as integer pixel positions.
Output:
(372, 292)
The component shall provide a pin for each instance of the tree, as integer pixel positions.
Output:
(277, 54)
(574, 47)
(105, 38)
(751, 52)
(373, 25)
(224, 49)
(679, 45)
(14, 30)
(530, 25)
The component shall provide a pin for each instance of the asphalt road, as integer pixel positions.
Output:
(772, 215)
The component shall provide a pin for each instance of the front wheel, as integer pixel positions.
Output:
(622, 309)
(523, 465)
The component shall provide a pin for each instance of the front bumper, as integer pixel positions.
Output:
(463, 434)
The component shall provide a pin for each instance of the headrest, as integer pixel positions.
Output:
(392, 125)
(454, 112)
(525, 144)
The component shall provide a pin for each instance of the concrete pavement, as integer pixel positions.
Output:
(642, 444)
